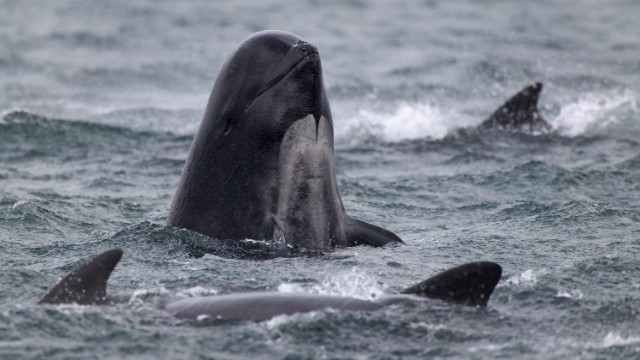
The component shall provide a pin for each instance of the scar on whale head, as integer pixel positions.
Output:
(261, 165)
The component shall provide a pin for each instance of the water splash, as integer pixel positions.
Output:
(527, 277)
(407, 121)
(140, 295)
(354, 283)
(615, 339)
(592, 111)
(196, 291)
(290, 288)
(570, 294)
(420, 120)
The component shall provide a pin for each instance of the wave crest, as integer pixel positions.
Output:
(594, 111)
(590, 112)
(408, 121)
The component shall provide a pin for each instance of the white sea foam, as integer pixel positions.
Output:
(593, 111)
(20, 204)
(418, 120)
(615, 339)
(72, 309)
(138, 296)
(487, 347)
(406, 122)
(280, 320)
(290, 288)
(527, 277)
(196, 291)
(202, 317)
(354, 283)
(570, 294)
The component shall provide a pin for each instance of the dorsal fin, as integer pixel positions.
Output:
(359, 232)
(87, 284)
(468, 284)
(520, 112)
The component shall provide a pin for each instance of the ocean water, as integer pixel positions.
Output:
(100, 102)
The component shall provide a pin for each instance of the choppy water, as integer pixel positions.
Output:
(100, 102)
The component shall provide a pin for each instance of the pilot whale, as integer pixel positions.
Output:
(520, 112)
(468, 284)
(261, 165)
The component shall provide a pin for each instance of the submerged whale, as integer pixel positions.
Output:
(469, 284)
(520, 112)
(261, 165)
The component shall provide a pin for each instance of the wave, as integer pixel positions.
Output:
(106, 124)
(594, 111)
(165, 240)
(590, 113)
(20, 120)
(26, 136)
(408, 121)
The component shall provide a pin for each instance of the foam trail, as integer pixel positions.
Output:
(592, 111)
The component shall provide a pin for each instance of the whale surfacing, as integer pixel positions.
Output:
(261, 165)
(468, 284)
(520, 112)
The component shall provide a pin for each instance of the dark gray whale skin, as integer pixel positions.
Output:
(261, 165)
(519, 113)
(467, 284)
(87, 284)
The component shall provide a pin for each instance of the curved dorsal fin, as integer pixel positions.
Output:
(519, 112)
(87, 284)
(468, 284)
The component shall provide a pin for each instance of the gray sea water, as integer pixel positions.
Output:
(100, 101)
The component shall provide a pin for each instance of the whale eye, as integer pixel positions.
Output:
(227, 124)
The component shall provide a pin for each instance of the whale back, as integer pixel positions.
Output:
(467, 284)
(520, 112)
(87, 284)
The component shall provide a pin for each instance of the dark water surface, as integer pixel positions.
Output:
(100, 102)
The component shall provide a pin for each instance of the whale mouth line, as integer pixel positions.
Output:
(273, 82)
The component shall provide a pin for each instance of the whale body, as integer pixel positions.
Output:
(261, 165)
(520, 112)
(468, 284)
